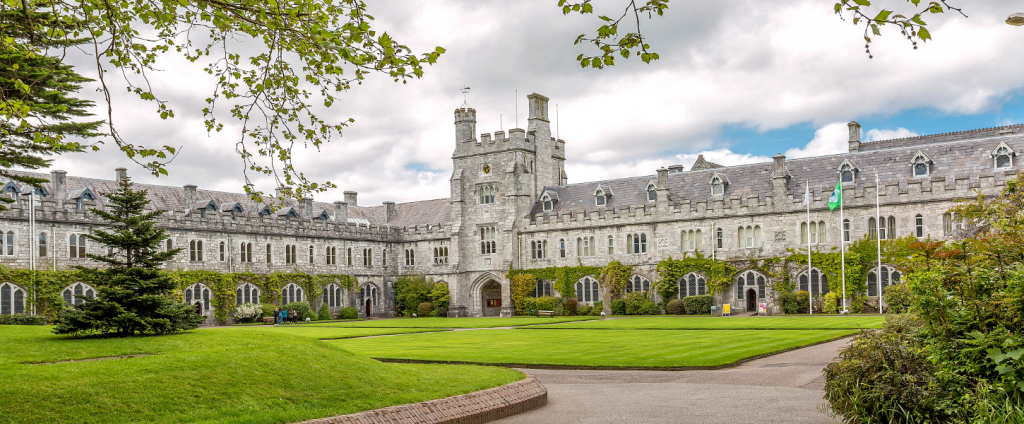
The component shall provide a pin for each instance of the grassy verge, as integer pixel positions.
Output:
(431, 322)
(327, 332)
(589, 348)
(210, 376)
(824, 322)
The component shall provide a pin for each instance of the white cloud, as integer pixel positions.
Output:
(876, 134)
(830, 139)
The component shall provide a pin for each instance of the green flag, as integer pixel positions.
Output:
(836, 198)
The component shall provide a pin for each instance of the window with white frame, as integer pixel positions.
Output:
(599, 198)
(750, 279)
(889, 276)
(487, 194)
(199, 293)
(719, 239)
(7, 243)
(291, 293)
(547, 203)
(652, 192)
(538, 249)
(884, 228)
(586, 246)
(587, 290)
(815, 235)
(951, 224)
(245, 250)
(692, 284)
(247, 293)
(638, 283)
(42, 245)
(920, 165)
(717, 186)
(818, 282)
(222, 250)
(441, 255)
(611, 244)
(332, 296)
(410, 257)
(78, 293)
(543, 288)
(691, 240)
(1002, 156)
(847, 171)
(636, 243)
(195, 250)
(561, 248)
(76, 246)
(748, 236)
(919, 226)
(488, 242)
(846, 230)
(12, 299)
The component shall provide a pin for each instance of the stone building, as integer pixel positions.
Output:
(512, 207)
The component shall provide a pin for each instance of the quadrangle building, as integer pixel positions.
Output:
(512, 207)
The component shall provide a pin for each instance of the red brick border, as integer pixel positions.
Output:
(477, 407)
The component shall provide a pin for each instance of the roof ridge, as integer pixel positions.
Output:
(964, 132)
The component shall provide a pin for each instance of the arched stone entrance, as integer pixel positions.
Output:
(369, 307)
(490, 299)
(751, 300)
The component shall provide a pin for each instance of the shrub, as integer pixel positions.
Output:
(802, 299)
(528, 306)
(325, 313)
(302, 310)
(348, 313)
(598, 308)
(619, 307)
(545, 303)
(410, 291)
(439, 312)
(268, 309)
(829, 304)
(22, 319)
(584, 310)
(248, 312)
(570, 306)
(789, 303)
(649, 308)
(698, 305)
(675, 307)
(636, 302)
(857, 305)
(897, 299)
(440, 296)
(424, 309)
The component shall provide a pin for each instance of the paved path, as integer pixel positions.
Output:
(783, 388)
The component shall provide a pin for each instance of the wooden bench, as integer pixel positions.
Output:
(268, 320)
(545, 313)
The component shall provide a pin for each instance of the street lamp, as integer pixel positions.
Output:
(1015, 19)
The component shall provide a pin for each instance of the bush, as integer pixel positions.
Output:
(439, 312)
(22, 319)
(598, 308)
(789, 303)
(302, 310)
(440, 297)
(649, 308)
(829, 304)
(268, 309)
(570, 306)
(248, 312)
(528, 306)
(545, 303)
(857, 305)
(410, 291)
(698, 305)
(675, 307)
(619, 307)
(897, 299)
(348, 313)
(637, 303)
(584, 310)
(803, 298)
(325, 313)
(424, 309)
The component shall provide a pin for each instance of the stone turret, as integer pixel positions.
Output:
(465, 125)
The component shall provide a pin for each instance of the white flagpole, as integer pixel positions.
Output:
(878, 241)
(842, 245)
(807, 200)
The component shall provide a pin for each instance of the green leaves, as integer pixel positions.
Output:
(913, 28)
(607, 40)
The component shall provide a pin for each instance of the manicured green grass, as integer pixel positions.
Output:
(589, 348)
(801, 322)
(431, 322)
(217, 376)
(327, 332)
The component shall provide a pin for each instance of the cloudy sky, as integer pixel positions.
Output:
(738, 81)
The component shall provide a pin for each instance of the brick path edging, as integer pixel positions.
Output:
(471, 408)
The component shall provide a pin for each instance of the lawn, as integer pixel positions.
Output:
(323, 333)
(432, 322)
(799, 322)
(589, 348)
(214, 376)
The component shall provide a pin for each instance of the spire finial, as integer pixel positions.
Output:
(465, 92)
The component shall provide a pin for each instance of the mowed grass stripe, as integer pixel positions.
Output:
(589, 348)
(325, 333)
(824, 322)
(433, 322)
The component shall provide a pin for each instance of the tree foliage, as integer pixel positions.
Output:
(913, 27)
(717, 272)
(133, 295)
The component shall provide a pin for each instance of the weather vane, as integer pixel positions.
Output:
(465, 91)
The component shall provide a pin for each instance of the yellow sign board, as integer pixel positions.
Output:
(725, 309)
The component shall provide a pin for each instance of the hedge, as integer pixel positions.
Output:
(697, 305)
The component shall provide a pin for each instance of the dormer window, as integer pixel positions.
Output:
(921, 165)
(264, 212)
(547, 203)
(599, 198)
(717, 185)
(847, 171)
(80, 196)
(652, 192)
(1003, 155)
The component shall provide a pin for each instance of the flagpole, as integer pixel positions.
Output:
(878, 241)
(807, 201)
(842, 245)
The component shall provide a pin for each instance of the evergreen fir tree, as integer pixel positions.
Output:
(133, 295)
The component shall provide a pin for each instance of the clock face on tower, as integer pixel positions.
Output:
(487, 169)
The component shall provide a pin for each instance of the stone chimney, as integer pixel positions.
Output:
(190, 197)
(662, 202)
(122, 173)
(307, 207)
(340, 212)
(854, 136)
(662, 178)
(675, 169)
(350, 198)
(59, 185)
(389, 208)
(780, 177)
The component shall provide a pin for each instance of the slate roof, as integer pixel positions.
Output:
(954, 154)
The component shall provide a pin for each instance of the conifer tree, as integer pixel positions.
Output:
(133, 295)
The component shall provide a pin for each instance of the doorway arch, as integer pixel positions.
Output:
(490, 299)
(751, 300)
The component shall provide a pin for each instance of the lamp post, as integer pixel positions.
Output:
(1015, 19)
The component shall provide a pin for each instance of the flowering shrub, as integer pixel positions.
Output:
(248, 312)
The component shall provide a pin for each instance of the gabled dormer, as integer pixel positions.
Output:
(920, 165)
(1002, 156)
(265, 211)
(12, 190)
(601, 195)
(652, 191)
(288, 212)
(548, 200)
(320, 215)
(82, 195)
(232, 208)
(848, 171)
(718, 183)
(204, 206)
